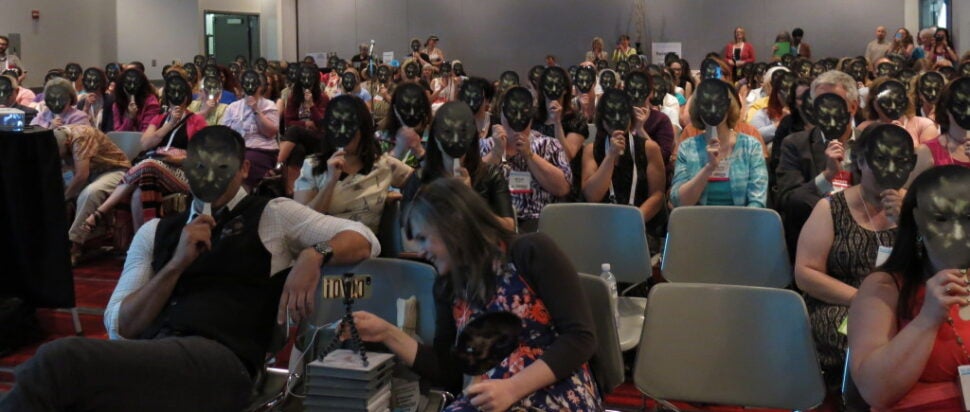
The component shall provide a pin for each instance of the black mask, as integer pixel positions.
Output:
(885, 69)
(235, 70)
(199, 60)
(341, 66)
(829, 64)
(607, 79)
(890, 156)
(941, 216)
(177, 91)
(760, 69)
(553, 83)
(7, 96)
(803, 68)
(411, 104)
(332, 61)
(787, 60)
(858, 71)
(831, 115)
(412, 70)
(93, 80)
(964, 69)
(572, 72)
(783, 81)
(111, 71)
(211, 162)
(341, 121)
(445, 69)
(57, 98)
(191, 71)
(261, 65)
(383, 74)
(250, 82)
(535, 73)
(585, 78)
(454, 128)
(710, 69)
(713, 99)
(508, 80)
(805, 107)
(211, 61)
(212, 86)
(292, 73)
(660, 90)
(72, 72)
(602, 65)
(308, 77)
(132, 82)
(948, 72)
(637, 86)
(930, 86)
(905, 76)
(415, 45)
(348, 81)
(458, 68)
(960, 102)
(517, 108)
(211, 70)
(622, 68)
(615, 109)
(472, 94)
(890, 98)
(818, 69)
(634, 62)
(486, 341)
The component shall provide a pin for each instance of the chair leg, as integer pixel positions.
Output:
(77, 322)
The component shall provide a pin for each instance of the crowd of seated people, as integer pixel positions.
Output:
(859, 155)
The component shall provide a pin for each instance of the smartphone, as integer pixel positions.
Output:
(717, 73)
(357, 286)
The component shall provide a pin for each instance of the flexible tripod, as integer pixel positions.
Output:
(356, 344)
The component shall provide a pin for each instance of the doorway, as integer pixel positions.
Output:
(228, 35)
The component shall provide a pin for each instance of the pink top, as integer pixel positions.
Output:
(193, 124)
(146, 113)
(25, 96)
(941, 157)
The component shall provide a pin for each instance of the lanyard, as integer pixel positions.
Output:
(633, 183)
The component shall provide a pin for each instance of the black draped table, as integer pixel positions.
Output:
(34, 248)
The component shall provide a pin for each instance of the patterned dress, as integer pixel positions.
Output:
(851, 258)
(575, 393)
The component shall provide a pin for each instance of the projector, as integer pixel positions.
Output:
(11, 120)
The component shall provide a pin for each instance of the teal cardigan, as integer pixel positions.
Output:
(749, 175)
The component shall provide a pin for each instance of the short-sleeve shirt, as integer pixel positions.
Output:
(86, 142)
(241, 118)
(529, 205)
(357, 197)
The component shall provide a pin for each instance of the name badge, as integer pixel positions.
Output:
(520, 182)
(722, 172)
(883, 254)
(842, 181)
(964, 372)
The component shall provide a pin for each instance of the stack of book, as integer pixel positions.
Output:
(340, 382)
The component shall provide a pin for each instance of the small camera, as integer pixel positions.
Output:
(347, 286)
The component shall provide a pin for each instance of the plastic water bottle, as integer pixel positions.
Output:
(607, 275)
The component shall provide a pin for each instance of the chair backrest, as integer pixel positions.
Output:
(852, 400)
(728, 345)
(129, 142)
(592, 234)
(727, 245)
(607, 361)
(391, 279)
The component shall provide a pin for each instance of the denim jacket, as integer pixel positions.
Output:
(748, 173)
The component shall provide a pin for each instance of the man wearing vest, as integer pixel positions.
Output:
(199, 297)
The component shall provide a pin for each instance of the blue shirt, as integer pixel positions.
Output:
(748, 174)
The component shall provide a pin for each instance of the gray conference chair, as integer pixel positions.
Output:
(726, 245)
(592, 234)
(728, 345)
(389, 230)
(607, 361)
(129, 142)
(852, 400)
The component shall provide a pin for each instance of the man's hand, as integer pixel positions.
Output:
(834, 153)
(196, 238)
(299, 292)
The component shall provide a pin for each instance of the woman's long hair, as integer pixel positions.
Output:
(367, 148)
(474, 236)
(908, 260)
(296, 95)
(433, 166)
(121, 95)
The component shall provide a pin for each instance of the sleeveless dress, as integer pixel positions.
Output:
(941, 157)
(513, 294)
(851, 258)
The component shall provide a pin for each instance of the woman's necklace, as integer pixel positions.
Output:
(959, 339)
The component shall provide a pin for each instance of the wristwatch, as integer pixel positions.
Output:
(324, 249)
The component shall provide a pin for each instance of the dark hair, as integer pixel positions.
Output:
(776, 106)
(685, 76)
(793, 96)
(471, 232)
(121, 95)
(392, 124)
(368, 149)
(906, 262)
(296, 95)
(138, 65)
(104, 78)
(221, 132)
(798, 32)
(486, 86)
(943, 105)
